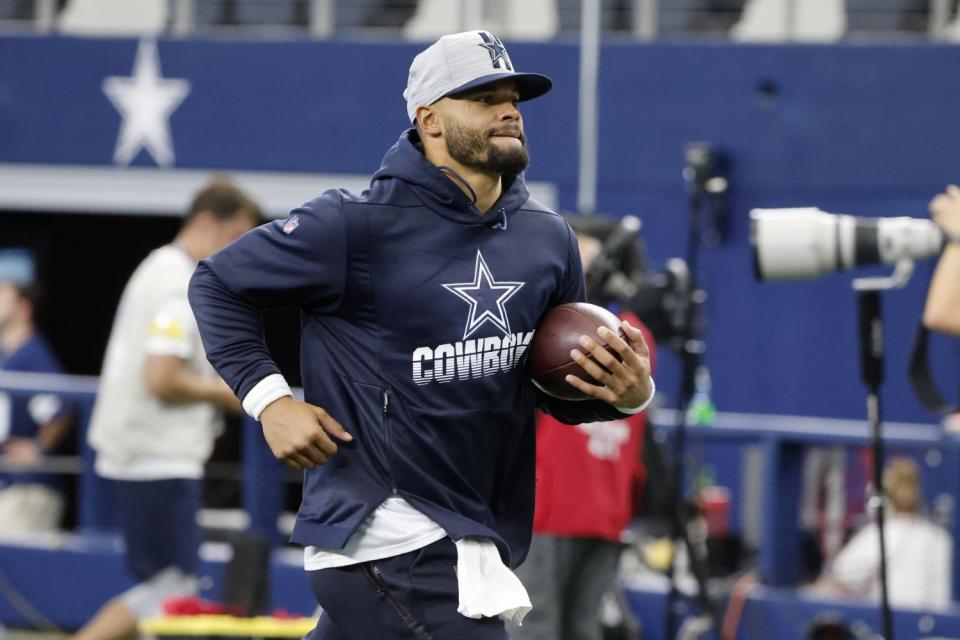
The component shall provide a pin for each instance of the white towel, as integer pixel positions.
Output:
(487, 587)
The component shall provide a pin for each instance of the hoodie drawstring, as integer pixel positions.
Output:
(453, 175)
(456, 176)
(502, 225)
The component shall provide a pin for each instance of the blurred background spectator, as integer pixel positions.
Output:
(159, 411)
(30, 427)
(918, 551)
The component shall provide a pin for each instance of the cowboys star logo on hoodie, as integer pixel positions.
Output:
(486, 295)
(486, 299)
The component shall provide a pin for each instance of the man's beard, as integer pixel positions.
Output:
(476, 150)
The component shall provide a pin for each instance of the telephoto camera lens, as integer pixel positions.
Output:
(804, 243)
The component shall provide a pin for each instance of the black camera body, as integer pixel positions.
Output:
(667, 301)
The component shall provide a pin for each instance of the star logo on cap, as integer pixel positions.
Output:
(498, 53)
(486, 297)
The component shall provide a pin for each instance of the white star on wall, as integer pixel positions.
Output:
(486, 292)
(145, 101)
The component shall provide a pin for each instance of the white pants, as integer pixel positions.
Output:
(30, 507)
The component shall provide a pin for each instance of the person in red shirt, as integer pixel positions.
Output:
(588, 477)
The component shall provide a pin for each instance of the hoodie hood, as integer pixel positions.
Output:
(405, 161)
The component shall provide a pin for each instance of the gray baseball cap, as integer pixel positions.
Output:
(462, 61)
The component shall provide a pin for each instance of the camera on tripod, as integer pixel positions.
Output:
(804, 243)
(807, 243)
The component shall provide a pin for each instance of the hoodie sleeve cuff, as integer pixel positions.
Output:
(263, 393)
(646, 403)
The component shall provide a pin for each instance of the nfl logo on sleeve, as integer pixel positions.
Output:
(292, 223)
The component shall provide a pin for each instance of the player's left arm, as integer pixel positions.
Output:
(600, 409)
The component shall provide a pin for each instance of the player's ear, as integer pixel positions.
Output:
(428, 121)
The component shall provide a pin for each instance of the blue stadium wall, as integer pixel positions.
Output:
(869, 130)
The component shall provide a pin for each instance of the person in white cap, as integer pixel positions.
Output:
(419, 298)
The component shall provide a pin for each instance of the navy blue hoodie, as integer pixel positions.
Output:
(416, 311)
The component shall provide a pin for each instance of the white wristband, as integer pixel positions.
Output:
(646, 403)
(263, 393)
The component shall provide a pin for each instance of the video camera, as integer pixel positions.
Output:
(667, 301)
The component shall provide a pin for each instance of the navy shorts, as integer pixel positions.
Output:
(412, 596)
(158, 519)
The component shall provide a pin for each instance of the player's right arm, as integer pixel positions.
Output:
(942, 310)
(289, 427)
(301, 262)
